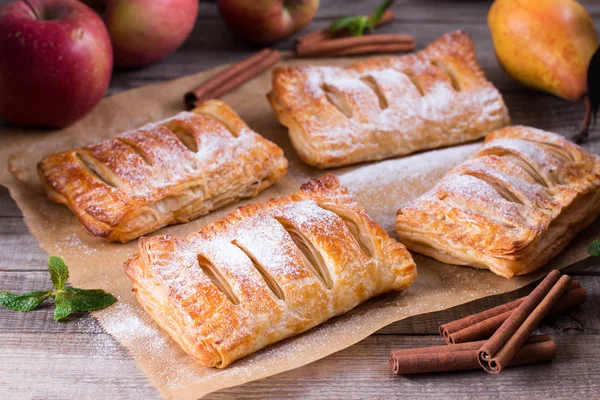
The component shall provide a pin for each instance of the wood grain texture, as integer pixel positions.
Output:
(68, 365)
(19, 249)
(40, 358)
(586, 318)
(361, 371)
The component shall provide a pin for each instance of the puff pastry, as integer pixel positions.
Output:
(385, 107)
(163, 173)
(511, 207)
(267, 272)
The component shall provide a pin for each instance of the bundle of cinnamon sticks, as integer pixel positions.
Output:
(508, 327)
(322, 43)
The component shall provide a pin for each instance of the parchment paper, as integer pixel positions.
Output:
(380, 187)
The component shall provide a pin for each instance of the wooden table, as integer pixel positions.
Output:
(40, 358)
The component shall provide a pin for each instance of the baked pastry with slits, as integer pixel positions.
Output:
(511, 208)
(164, 173)
(390, 106)
(267, 272)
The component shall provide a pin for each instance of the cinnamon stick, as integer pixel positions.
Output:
(232, 77)
(484, 324)
(375, 42)
(323, 34)
(499, 350)
(373, 49)
(463, 356)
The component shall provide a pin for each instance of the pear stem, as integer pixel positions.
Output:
(585, 126)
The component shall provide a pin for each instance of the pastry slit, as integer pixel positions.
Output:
(94, 168)
(217, 279)
(364, 244)
(501, 187)
(184, 135)
(335, 98)
(372, 83)
(136, 148)
(220, 119)
(521, 162)
(462, 204)
(448, 71)
(266, 275)
(409, 74)
(311, 256)
(561, 153)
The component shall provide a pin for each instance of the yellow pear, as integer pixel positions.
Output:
(544, 44)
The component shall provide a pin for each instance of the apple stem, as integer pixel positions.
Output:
(585, 126)
(32, 9)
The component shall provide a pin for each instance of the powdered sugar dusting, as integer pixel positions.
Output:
(505, 196)
(184, 115)
(383, 187)
(217, 149)
(129, 326)
(258, 236)
(421, 99)
(542, 159)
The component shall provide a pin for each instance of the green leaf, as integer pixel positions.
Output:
(70, 300)
(59, 272)
(23, 302)
(341, 24)
(385, 4)
(594, 248)
(358, 28)
(356, 25)
(66, 299)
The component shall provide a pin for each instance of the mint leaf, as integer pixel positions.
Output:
(70, 300)
(341, 24)
(359, 25)
(385, 4)
(594, 248)
(23, 302)
(59, 272)
(356, 25)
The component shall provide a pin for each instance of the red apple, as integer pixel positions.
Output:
(267, 21)
(146, 31)
(55, 61)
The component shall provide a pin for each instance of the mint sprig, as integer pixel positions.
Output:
(66, 299)
(594, 249)
(357, 25)
(24, 302)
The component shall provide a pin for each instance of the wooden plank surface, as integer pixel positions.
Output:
(361, 371)
(40, 358)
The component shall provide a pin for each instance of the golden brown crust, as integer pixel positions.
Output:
(267, 272)
(387, 106)
(511, 207)
(163, 173)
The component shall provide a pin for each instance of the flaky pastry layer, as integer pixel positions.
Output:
(163, 173)
(267, 272)
(511, 207)
(388, 106)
